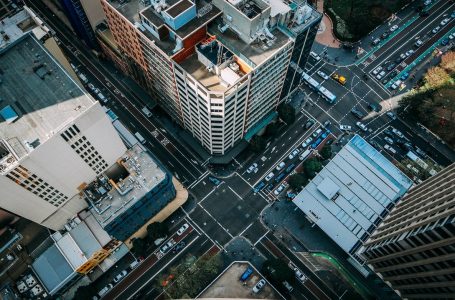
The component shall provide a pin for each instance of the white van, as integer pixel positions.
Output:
(146, 111)
(140, 138)
(102, 98)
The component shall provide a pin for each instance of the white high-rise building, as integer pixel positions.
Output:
(219, 68)
(54, 138)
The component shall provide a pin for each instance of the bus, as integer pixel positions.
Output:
(331, 98)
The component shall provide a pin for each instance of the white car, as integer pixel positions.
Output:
(396, 85)
(390, 149)
(388, 140)
(317, 132)
(345, 128)
(435, 30)
(120, 276)
(452, 36)
(294, 153)
(393, 28)
(269, 176)
(105, 289)
(252, 168)
(280, 166)
(376, 71)
(182, 229)
(403, 56)
(259, 286)
(380, 75)
(397, 132)
(409, 52)
(323, 75)
(361, 126)
(300, 276)
(418, 43)
(279, 189)
(427, 2)
(307, 142)
(445, 21)
(315, 56)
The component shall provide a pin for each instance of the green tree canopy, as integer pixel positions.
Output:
(286, 112)
(297, 181)
(257, 144)
(85, 292)
(326, 152)
(311, 167)
(139, 247)
(272, 129)
(156, 230)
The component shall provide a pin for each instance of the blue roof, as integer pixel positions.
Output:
(9, 114)
(53, 269)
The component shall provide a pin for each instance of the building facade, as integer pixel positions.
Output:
(414, 247)
(218, 68)
(54, 137)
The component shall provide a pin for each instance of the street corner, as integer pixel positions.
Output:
(325, 34)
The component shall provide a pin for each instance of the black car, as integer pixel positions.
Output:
(385, 80)
(384, 35)
(393, 74)
(391, 66)
(357, 113)
(424, 13)
(389, 133)
(398, 60)
(375, 107)
(178, 247)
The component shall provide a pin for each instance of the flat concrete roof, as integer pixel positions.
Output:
(360, 188)
(39, 90)
(140, 174)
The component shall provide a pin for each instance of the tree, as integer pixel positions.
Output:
(297, 180)
(139, 247)
(286, 112)
(311, 167)
(85, 292)
(277, 271)
(257, 144)
(272, 129)
(156, 230)
(436, 76)
(448, 62)
(326, 152)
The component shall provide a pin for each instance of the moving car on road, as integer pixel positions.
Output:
(361, 126)
(345, 128)
(315, 56)
(323, 75)
(214, 180)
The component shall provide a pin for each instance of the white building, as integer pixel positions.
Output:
(217, 68)
(353, 194)
(54, 138)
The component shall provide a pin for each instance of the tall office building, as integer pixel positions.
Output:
(217, 67)
(414, 248)
(54, 138)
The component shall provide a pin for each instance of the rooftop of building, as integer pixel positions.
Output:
(37, 96)
(353, 193)
(123, 185)
(14, 26)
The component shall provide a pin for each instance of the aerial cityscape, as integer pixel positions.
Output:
(227, 149)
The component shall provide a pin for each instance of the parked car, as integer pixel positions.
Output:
(105, 289)
(345, 128)
(119, 276)
(376, 71)
(280, 166)
(391, 66)
(390, 149)
(375, 107)
(179, 247)
(279, 189)
(300, 276)
(294, 153)
(444, 42)
(307, 142)
(404, 76)
(445, 21)
(182, 229)
(326, 124)
(380, 75)
(361, 126)
(315, 56)
(409, 52)
(397, 132)
(261, 283)
(323, 75)
(166, 247)
(384, 35)
(393, 28)
(269, 176)
(252, 168)
(376, 41)
(388, 140)
(436, 29)
(396, 85)
(317, 132)
(214, 180)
